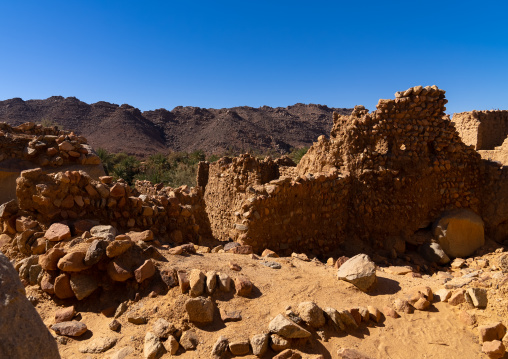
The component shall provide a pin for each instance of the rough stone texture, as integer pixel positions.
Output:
(360, 271)
(71, 329)
(287, 328)
(211, 281)
(162, 328)
(494, 331)
(278, 343)
(153, 348)
(58, 232)
(83, 285)
(220, 347)
(65, 314)
(197, 281)
(243, 286)
(288, 354)
(189, 340)
(434, 253)
(478, 296)
(239, 347)
(200, 309)
(145, 271)
(460, 233)
(97, 345)
(311, 314)
(171, 345)
(20, 320)
(259, 344)
(346, 353)
(494, 349)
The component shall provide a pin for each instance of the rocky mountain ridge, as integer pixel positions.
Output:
(126, 129)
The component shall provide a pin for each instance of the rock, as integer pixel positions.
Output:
(58, 232)
(239, 347)
(65, 314)
(72, 262)
(273, 265)
(433, 253)
(211, 281)
(134, 318)
(104, 232)
(98, 345)
(334, 316)
(467, 318)
(224, 282)
(460, 233)
(494, 349)
(122, 307)
(243, 286)
(375, 314)
(493, 331)
(348, 319)
(230, 245)
(49, 260)
(457, 297)
(145, 271)
(286, 328)
(114, 325)
(171, 345)
(245, 249)
(278, 343)
(123, 353)
(398, 270)
(118, 270)
(70, 329)
(340, 261)
(189, 340)
(162, 328)
(183, 281)
(288, 354)
(233, 316)
(259, 344)
(62, 287)
(153, 348)
(200, 310)
(478, 296)
(346, 353)
(443, 294)
(117, 247)
(83, 285)
(458, 263)
(95, 252)
(117, 191)
(144, 236)
(390, 312)
(311, 314)
(197, 283)
(234, 266)
(269, 254)
(220, 347)
(421, 304)
(21, 327)
(360, 271)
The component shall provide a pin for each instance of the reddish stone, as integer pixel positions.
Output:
(68, 202)
(39, 246)
(72, 328)
(65, 314)
(72, 262)
(245, 249)
(494, 331)
(288, 354)
(62, 287)
(494, 349)
(47, 284)
(243, 286)
(183, 280)
(340, 261)
(144, 236)
(355, 312)
(58, 232)
(235, 267)
(50, 260)
(269, 253)
(118, 271)
(145, 271)
(118, 190)
(390, 312)
(117, 247)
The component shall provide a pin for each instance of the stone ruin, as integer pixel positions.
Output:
(381, 178)
(487, 131)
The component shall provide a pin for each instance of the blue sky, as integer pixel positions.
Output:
(154, 54)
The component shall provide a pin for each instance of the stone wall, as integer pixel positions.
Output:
(486, 130)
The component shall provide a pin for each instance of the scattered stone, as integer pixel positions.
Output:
(245, 249)
(122, 353)
(118, 271)
(104, 232)
(478, 296)
(230, 245)
(360, 271)
(224, 282)
(390, 312)
(98, 345)
(398, 270)
(346, 353)
(403, 306)
(434, 253)
(65, 314)
(122, 307)
(243, 286)
(375, 314)
(286, 328)
(233, 316)
(71, 329)
(115, 325)
(273, 265)
(162, 328)
(145, 271)
(467, 318)
(348, 319)
(239, 347)
(95, 252)
(117, 247)
(189, 340)
(50, 260)
(220, 347)
(183, 280)
(421, 304)
(62, 286)
(494, 349)
(458, 263)
(460, 232)
(83, 285)
(171, 345)
(259, 344)
(72, 262)
(197, 281)
(334, 316)
(494, 331)
(355, 313)
(457, 297)
(144, 236)
(153, 348)
(58, 232)
(269, 254)
(234, 266)
(311, 314)
(200, 310)
(211, 281)
(136, 319)
(443, 294)
(278, 343)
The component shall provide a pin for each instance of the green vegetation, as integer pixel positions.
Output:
(174, 169)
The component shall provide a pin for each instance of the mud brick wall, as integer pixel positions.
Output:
(486, 130)
(73, 195)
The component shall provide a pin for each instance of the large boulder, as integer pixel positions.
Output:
(460, 233)
(19, 320)
(360, 271)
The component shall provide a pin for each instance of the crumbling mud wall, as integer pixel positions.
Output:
(29, 146)
(386, 173)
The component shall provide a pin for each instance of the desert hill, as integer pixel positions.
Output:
(126, 129)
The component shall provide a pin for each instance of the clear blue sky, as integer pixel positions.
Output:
(154, 54)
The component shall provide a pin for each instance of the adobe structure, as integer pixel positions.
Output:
(487, 131)
(384, 174)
